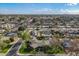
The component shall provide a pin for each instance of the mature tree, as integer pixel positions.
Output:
(21, 28)
(11, 39)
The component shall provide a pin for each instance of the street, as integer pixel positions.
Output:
(14, 49)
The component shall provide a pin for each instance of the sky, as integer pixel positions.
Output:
(39, 8)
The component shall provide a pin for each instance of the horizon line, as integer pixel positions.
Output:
(39, 14)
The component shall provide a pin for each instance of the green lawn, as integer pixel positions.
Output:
(25, 50)
(55, 50)
(4, 50)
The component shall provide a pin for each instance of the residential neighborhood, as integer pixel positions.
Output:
(39, 35)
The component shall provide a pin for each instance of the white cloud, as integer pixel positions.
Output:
(7, 11)
(71, 4)
(69, 11)
(53, 11)
(43, 11)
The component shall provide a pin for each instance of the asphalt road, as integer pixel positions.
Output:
(14, 49)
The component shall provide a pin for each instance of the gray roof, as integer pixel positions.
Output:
(66, 43)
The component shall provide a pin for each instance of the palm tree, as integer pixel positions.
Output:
(25, 35)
